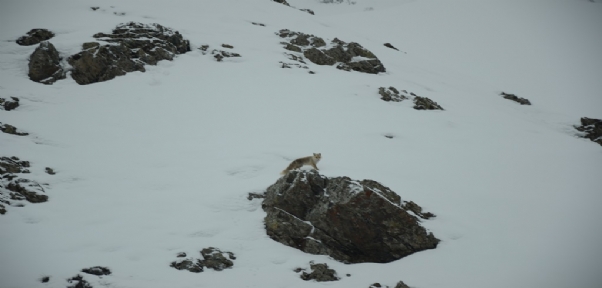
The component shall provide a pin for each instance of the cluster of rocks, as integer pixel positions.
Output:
(289, 5)
(591, 128)
(347, 56)
(321, 215)
(213, 258)
(128, 48)
(420, 103)
(399, 284)
(9, 104)
(319, 272)
(219, 55)
(34, 36)
(521, 101)
(78, 280)
(14, 189)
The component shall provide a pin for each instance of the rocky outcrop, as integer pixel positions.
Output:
(347, 56)
(352, 221)
(78, 281)
(132, 45)
(9, 129)
(319, 273)
(15, 189)
(34, 36)
(391, 94)
(591, 128)
(213, 258)
(45, 64)
(521, 101)
(9, 104)
(97, 270)
(424, 103)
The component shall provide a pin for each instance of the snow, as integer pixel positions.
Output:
(155, 163)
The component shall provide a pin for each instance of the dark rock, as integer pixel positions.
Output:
(9, 129)
(390, 94)
(253, 195)
(13, 165)
(45, 279)
(216, 259)
(592, 129)
(424, 103)
(45, 64)
(400, 284)
(187, 264)
(258, 24)
(35, 36)
(97, 270)
(515, 98)
(50, 171)
(213, 258)
(13, 187)
(282, 2)
(9, 105)
(320, 272)
(390, 46)
(352, 221)
(411, 206)
(227, 46)
(219, 55)
(31, 190)
(134, 45)
(308, 11)
(78, 282)
(2, 210)
(375, 285)
(350, 56)
(90, 45)
(94, 8)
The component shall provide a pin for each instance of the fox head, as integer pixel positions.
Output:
(318, 156)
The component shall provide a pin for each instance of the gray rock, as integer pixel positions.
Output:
(424, 103)
(521, 101)
(320, 273)
(8, 104)
(78, 282)
(213, 258)
(97, 270)
(592, 129)
(45, 64)
(9, 129)
(352, 221)
(134, 45)
(34, 36)
(391, 94)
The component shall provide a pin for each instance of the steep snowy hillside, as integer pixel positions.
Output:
(151, 164)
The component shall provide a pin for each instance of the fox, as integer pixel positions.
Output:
(298, 163)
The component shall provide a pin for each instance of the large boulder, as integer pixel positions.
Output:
(45, 64)
(348, 56)
(132, 45)
(352, 221)
(35, 36)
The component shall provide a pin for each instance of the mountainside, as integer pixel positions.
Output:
(135, 160)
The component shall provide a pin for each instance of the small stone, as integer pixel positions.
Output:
(390, 46)
(227, 46)
(50, 171)
(97, 270)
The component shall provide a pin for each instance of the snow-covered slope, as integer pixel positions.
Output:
(152, 164)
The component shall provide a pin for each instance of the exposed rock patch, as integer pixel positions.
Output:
(219, 55)
(35, 36)
(424, 103)
(45, 279)
(592, 129)
(132, 45)
(9, 104)
(521, 101)
(347, 56)
(45, 64)
(213, 258)
(399, 284)
(78, 281)
(253, 195)
(351, 221)
(391, 94)
(97, 270)
(14, 189)
(319, 272)
(9, 129)
(388, 45)
(289, 5)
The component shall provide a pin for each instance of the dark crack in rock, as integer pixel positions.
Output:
(349, 220)
(35, 36)
(521, 101)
